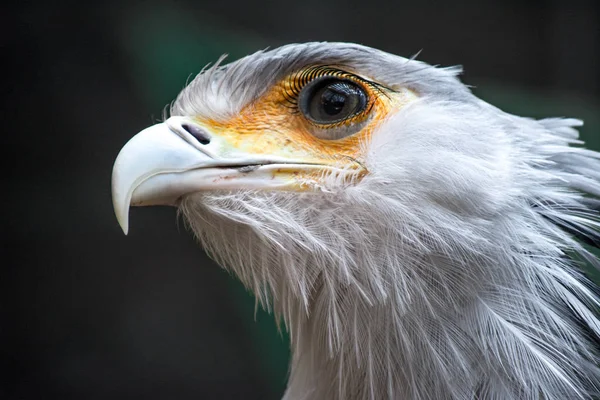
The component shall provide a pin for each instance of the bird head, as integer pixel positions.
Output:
(321, 153)
(370, 198)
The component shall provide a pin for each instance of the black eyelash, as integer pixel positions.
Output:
(305, 76)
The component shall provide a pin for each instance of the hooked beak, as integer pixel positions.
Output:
(180, 156)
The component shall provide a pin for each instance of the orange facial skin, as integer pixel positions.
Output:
(274, 125)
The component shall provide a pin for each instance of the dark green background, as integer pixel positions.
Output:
(89, 313)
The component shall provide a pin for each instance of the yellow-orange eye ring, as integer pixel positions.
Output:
(334, 103)
(273, 122)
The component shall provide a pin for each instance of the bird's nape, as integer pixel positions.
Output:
(416, 241)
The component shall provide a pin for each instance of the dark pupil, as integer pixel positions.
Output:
(333, 101)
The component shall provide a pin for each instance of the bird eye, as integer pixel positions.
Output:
(330, 100)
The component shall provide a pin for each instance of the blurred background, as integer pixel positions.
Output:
(88, 313)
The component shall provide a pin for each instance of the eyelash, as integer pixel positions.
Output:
(299, 80)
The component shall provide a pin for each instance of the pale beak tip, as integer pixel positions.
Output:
(122, 214)
(121, 202)
(125, 228)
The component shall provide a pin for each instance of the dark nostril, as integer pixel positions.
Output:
(198, 133)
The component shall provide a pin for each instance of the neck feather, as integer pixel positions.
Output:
(417, 313)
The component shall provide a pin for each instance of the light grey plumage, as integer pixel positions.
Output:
(446, 272)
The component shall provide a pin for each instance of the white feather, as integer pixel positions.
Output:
(441, 274)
